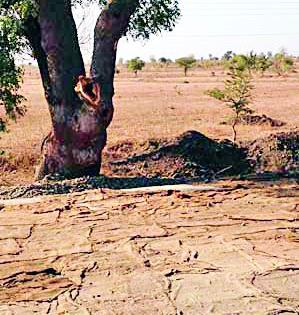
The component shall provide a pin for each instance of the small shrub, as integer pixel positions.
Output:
(236, 93)
(263, 63)
(282, 63)
(253, 63)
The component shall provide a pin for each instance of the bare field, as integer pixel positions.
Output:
(158, 103)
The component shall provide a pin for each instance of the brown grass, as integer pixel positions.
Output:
(156, 104)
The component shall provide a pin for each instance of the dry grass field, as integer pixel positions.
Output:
(158, 103)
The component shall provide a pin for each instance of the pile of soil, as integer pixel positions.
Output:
(261, 121)
(191, 155)
(257, 120)
(278, 153)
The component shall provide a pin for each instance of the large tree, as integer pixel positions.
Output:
(81, 108)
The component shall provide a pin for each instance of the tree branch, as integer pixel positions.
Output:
(111, 25)
(33, 34)
(59, 41)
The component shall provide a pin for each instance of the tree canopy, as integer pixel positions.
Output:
(186, 63)
(11, 44)
(135, 65)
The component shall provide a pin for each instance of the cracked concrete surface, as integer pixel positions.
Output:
(231, 249)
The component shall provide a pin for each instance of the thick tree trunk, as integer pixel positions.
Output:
(74, 146)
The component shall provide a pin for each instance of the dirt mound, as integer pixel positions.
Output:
(189, 155)
(260, 121)
(276, 153)
(192, 155)
(257, 120)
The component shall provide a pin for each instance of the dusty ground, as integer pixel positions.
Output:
(157, 104)
(231, 248)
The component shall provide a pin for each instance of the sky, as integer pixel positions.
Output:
(214, 27)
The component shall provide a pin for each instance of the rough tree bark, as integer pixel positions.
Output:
(80, 109)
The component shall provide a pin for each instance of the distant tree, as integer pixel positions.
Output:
(186, 63)
(135, 65)
(282, 63)
(236, 94)
(165, 61)
(228, 55)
